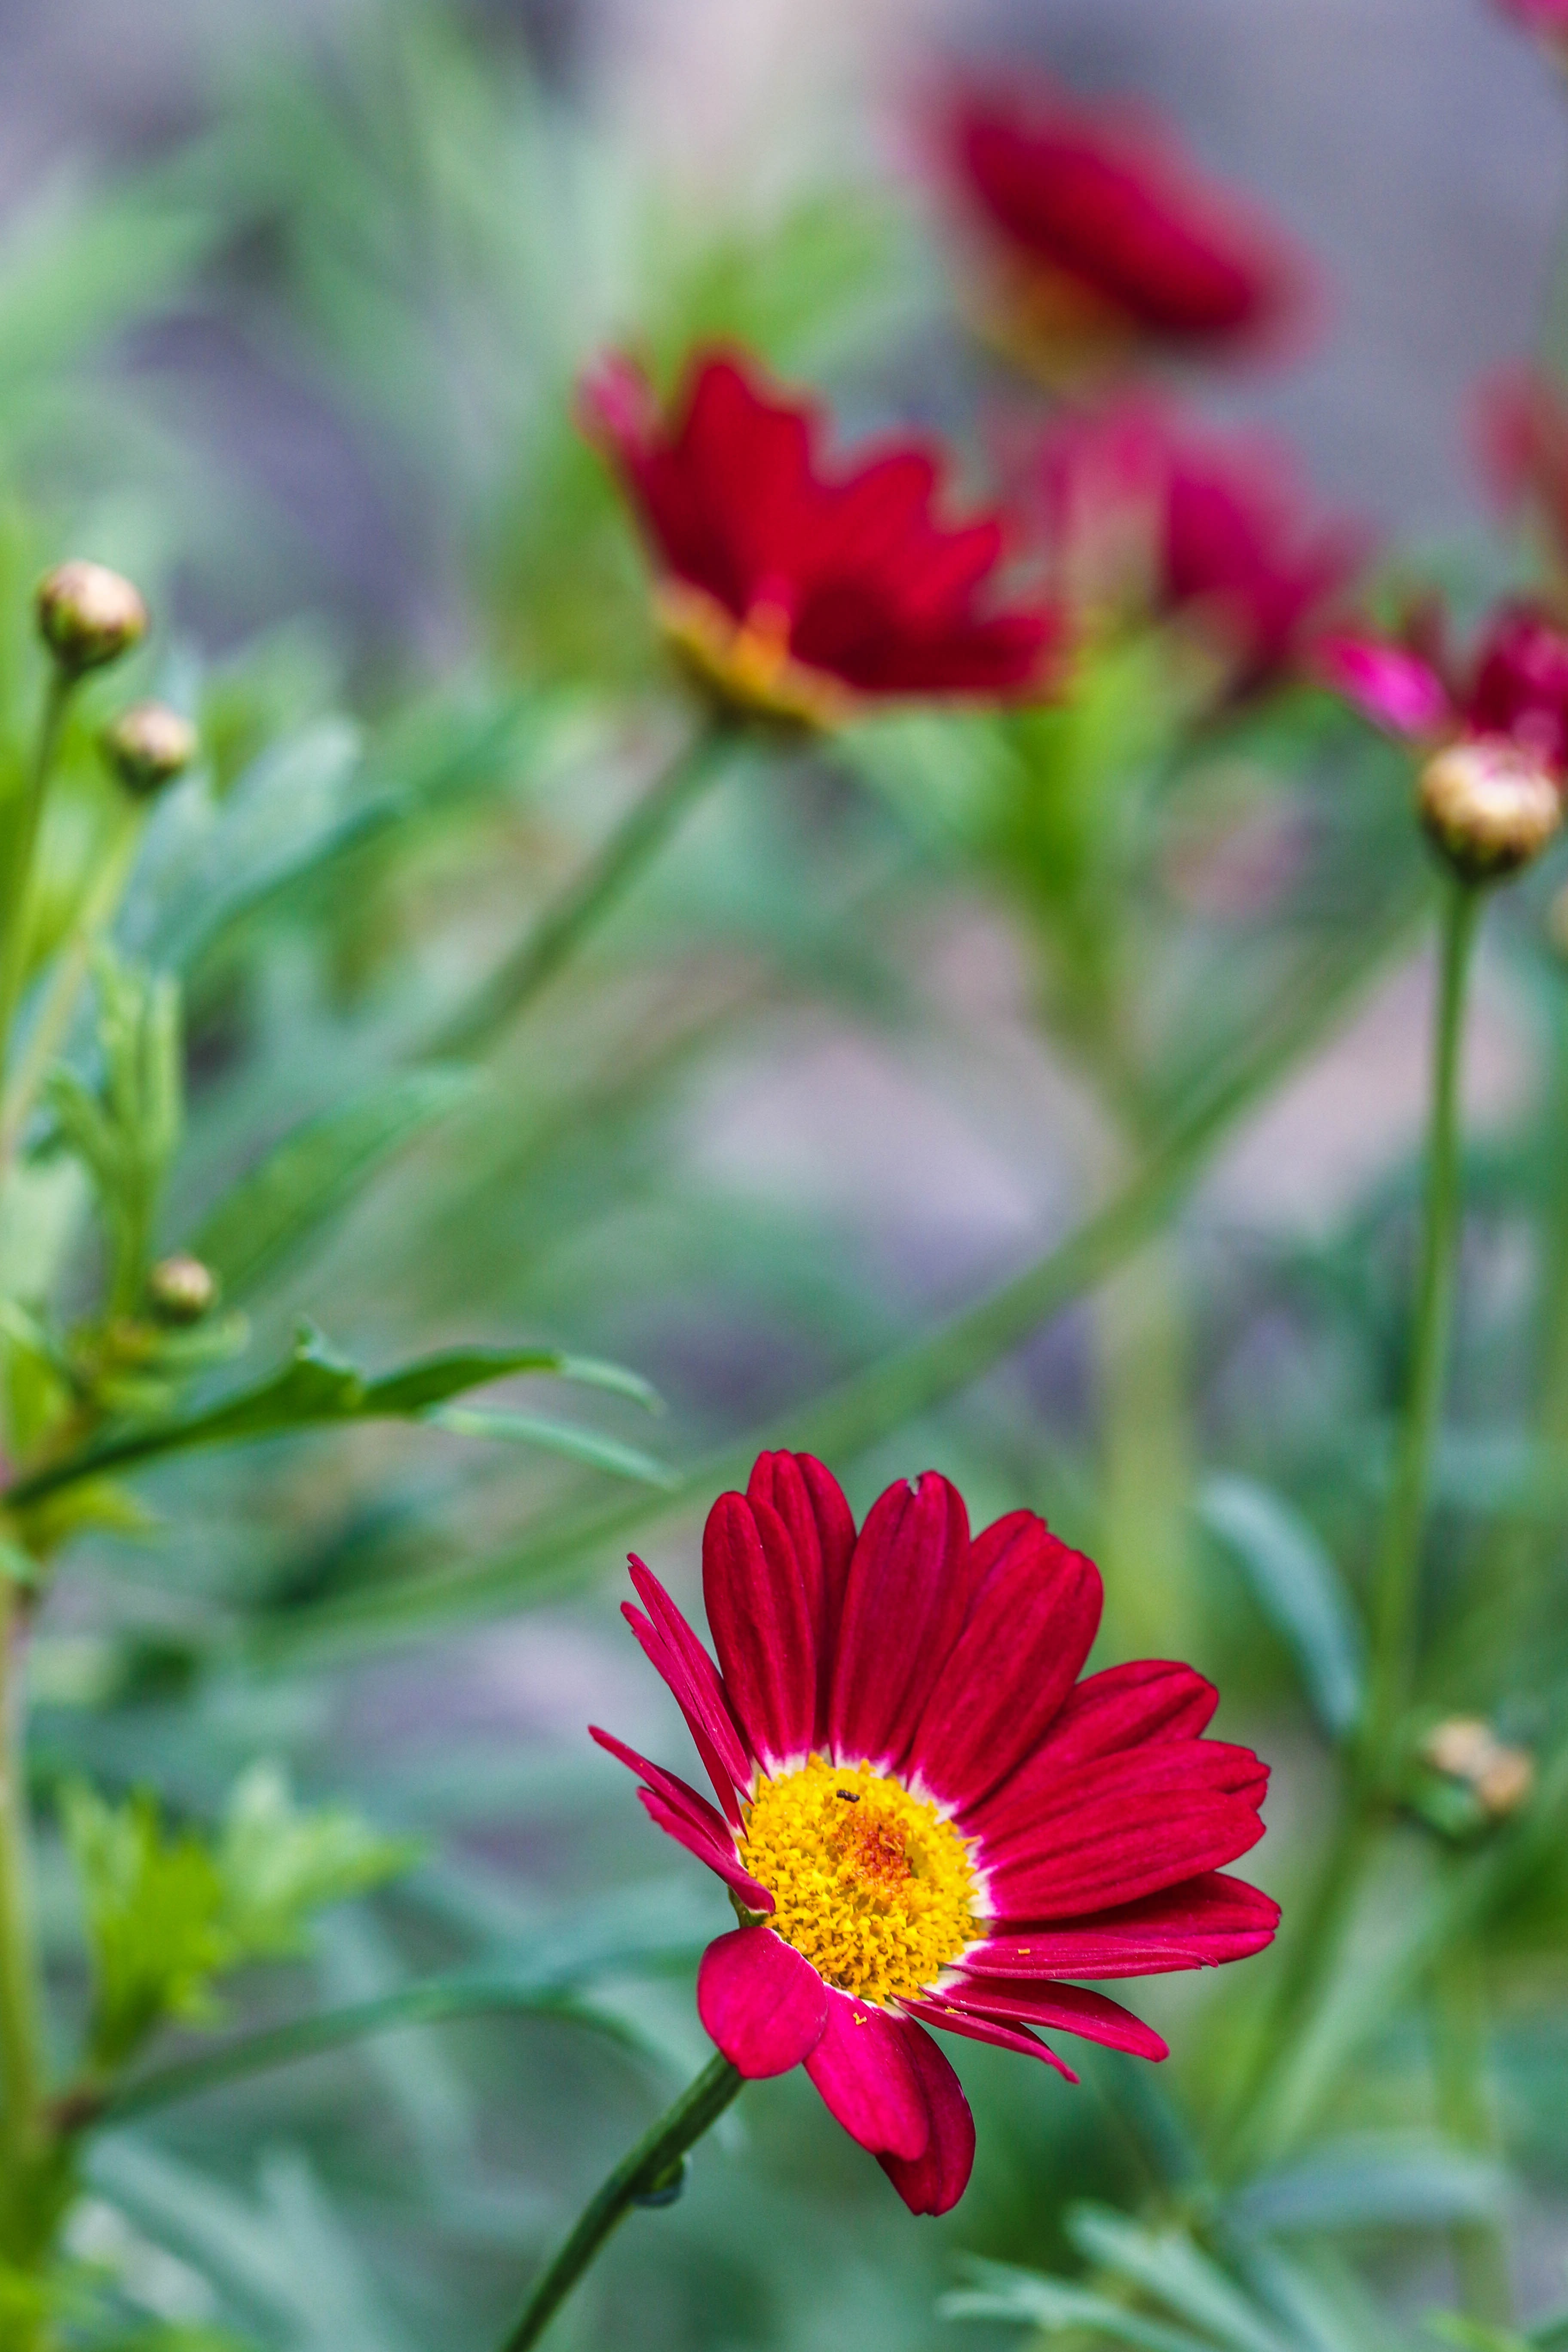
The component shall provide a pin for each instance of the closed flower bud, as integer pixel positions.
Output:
(148, 746)
(181, 1289)
(1466, 1748)
(89, 615)
(1488, 805)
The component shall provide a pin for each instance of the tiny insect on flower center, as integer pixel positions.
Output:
(869, 1884)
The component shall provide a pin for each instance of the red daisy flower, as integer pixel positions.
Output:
(924, 1818)
(1103, 236)
(1513, 690)
(793, 590)
(1142, 510)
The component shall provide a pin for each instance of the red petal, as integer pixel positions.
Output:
(758, 1613)
(694, 1678)
(864, 2071)
(721, 1859)
(1028, 1634)
(1148, 1699)
(908, 1589)
(1394, 688)
(1200, 1923)
(812, 1504)
(1068, 2008)
(763, 2004)
(1017, 2038)
(934, 2182)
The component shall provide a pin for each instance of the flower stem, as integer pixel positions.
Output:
(1308, 1963)
(17, 879)
(1145, 1478)
(1459, 2052)
(1395, 1570)
(653, 2166)
(20, 2027)
(563, 925)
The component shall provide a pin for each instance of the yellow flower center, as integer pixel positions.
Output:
(869, 1884)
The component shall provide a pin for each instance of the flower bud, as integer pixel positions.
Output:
(87, 615)
(148, 746)
(1466, 1748)
(1488, 805)
(181, 1289)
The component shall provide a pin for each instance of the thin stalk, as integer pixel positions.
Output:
(653, 2167)
(16, 881)
(21, 2083)
(1145, 1455)
(585, 900)
(1391, 1666)
(1480, 2248)
(49, 1030)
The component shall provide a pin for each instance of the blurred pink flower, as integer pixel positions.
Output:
(1142, 510)
(1513, 689)
(1100, 237)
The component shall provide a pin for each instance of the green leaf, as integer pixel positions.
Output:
(317, 1170)
(1297, 1588)
(1166, 2264)
(586, 1445)
(278, 1865)
(315, 1388)
(154, 1913)
(1400, 2181)
(1001, 2291)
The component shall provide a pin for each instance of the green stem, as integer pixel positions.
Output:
(21, 2083)
(1146, 1456)
(653, 2166)
(1308, 1966)
(50, 1030)
(1391, 1666)
(1459, 2052)
(15, 885)
(562, 928)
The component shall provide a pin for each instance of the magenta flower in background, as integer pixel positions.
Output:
(1512, 689)
(1522, 417)
(1145, 513)
(794, 588)
(924, 1817)
(1098, 240)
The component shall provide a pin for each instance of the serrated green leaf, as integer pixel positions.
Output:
(316, 1389)
(317, 1170)
(1297, 1588)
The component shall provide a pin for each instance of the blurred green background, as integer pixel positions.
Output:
(292, 303)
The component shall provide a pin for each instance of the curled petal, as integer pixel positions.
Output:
(941, 2012)
(1392, 688)
(906, 1598)
(866, 2075)
(761, 1618)
(690, 1819)
(811, 1503)
(1029, 1630)
(763, 2004)
(1066, 2008)
(1199, 1924)
(933, 2181)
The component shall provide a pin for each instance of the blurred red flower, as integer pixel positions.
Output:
(1523, 421)
(794, 590)
(1145, 513)
(1101, 237)
(925, 1817)
(1513, 689)
(1549, 18)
